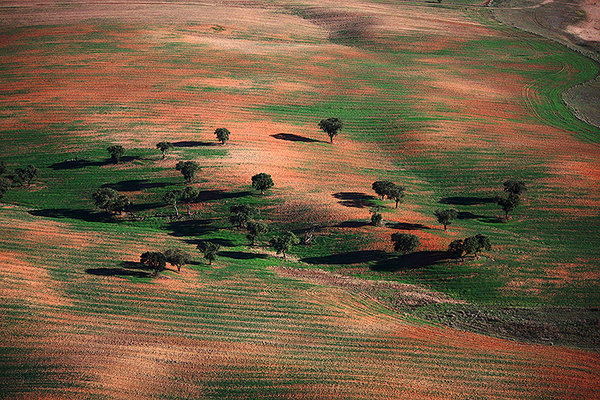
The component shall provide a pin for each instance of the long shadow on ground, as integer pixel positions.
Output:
(83, 163)
(194, 227)
(242, 255)
(117, 272)
(410, 261)
(81, 214)
(355, 199)
(295, 138)
(193, 143)
(208, 195)
(351, 257)
(407, 226)
(467, 200)
(134, 185)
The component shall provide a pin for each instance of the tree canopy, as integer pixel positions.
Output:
(171, 198)
(255, 229)
(164, 147)
(331, 126)
(155, 260)
(222, 135)
(4, 186)
(110, 200)
(188, 169)
(284, 242)
(515, 187)
(446, 217)
(262, 182)
(509, 203)
(188, 196)
(116, 152)
(405, 242)
(209, 250)
(24, 176)
(241, 214)
(177, 257)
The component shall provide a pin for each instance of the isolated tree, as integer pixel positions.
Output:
(476, 244)
(164, 147)
(446, 217)
(396, 193)
(255, 229)
(116, 152)
(456, 248)
(24, 176)
(331, 126)
(177, 257)
(188, 169)
(376, 219)
(4, 186)
(515, 187)
(222, 135)
(3, 168)
(382, 188)
(405, 242)
(171, 198)
(241, 214)
(284, 242)
(209, 250)
(110, 200)
(509, 203)
(155, 260)
(188, 196)
(262, 182)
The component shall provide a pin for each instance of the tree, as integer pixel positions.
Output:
(405, 242)
(382, 188)
(262, 182)
(241, 214)
(376, 219)
(255, 229)
(515, 187)
(445, 217)
(3, 168)
(25, 175)
(476, 244)
(116, 151)
(171, 198)
(456, 248)
(110, 200)
(4, 186)
(283, 242)
(188, 169)
(177, 257)
(222, 135)
(509, 203)
(396, 193)
(209, 250)
(331, 126)
(164, 147)
(155, 260)
(188, 196)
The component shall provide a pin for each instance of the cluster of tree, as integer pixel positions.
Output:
(471, 245)
(157, 261)
(241, 217)
(390, 190)
(110, 200)
(19, 177)
(514, 189)
(187, 196)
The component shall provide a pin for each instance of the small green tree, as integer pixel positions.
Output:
(476, 244)
(255, 229)
(515, 187)
(171, 198)
(188, 169)
(222, 135)
(116, 152)
(396, 193)
(331, 126)
(382, 188)
(405, 242)
(456, 248)
(24, 176)
(446, 217)
(241, 214)
(155, 260)
(284, 242)
(110, 200)
(177, 257)
(188, 196)
(376, 219)
(262, 182)
(509, 203)
(209, 250)
(4, 186)
(164, 147)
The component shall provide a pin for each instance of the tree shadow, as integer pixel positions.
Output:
(208, 195)
(145, 206)
(351, 257)
(241, 255)
(467, 200)
(194, 143)
(407, 226)
(355, 199)
(81, 214)
(194, 227)
(134, 185)
(479, 217)
(117, 272)
(295, 138)
(410, 261)
(352, 224)
(83, 163)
